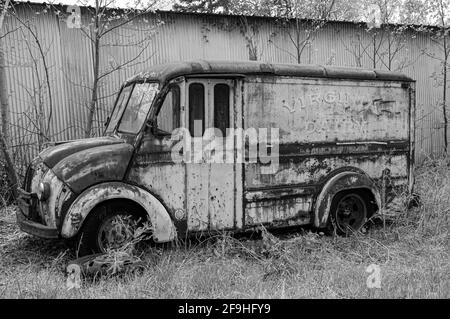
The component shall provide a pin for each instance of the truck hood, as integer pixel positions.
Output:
(54, 154)
(86, 162)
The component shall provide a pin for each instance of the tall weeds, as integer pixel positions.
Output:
(412, 251)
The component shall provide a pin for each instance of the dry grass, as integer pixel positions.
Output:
(413, 252)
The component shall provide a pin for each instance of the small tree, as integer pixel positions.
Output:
(380, 40)
(301, 21)
(437, 12)
(106, 20)
(205, 6)
(4, 143)
(232, 7)
(250, 32)
(41, 96)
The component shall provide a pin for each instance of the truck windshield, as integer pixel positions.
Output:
(132, 107)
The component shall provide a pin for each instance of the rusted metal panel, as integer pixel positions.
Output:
(313, 169)
(197, 192)
(302, 179)
(287, 211)
(221, 196)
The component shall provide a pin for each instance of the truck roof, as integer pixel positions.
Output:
(168, 71)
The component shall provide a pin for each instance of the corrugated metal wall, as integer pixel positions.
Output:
(167, 37)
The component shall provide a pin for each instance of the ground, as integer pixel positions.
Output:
(412, 251)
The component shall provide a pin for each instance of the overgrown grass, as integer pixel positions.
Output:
(413, 252)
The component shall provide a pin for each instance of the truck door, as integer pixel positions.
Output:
(153, 166)
(213, 179)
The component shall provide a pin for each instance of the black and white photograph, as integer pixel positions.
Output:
(221, 155)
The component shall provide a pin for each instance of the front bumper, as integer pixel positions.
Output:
(28, 217)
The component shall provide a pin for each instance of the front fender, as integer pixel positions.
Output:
(162, 225)
(342, 181)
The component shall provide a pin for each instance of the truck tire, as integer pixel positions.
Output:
(348, 213)
(108, 226)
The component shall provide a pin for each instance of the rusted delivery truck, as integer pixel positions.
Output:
(292, 145)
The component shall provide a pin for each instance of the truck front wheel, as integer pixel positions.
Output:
(109, 226)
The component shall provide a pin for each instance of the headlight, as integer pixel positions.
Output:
(43, 191)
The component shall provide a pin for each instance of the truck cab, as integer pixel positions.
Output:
(210, 146)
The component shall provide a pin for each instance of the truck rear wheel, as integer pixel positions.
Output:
(108, 226)
(348, 213)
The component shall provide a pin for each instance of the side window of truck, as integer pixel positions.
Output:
(222, 107)
(196, 108)
(168, 117)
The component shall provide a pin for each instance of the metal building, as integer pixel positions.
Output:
(49, 57)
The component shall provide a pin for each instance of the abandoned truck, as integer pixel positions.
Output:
(341, 147)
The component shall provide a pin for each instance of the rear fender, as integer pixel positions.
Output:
(340, 182)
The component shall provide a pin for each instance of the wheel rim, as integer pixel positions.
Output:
(116, 231)
(350, 213)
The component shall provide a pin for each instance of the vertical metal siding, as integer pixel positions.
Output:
(69, 54)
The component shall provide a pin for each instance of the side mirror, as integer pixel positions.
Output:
(150, 126)
(153, 127)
